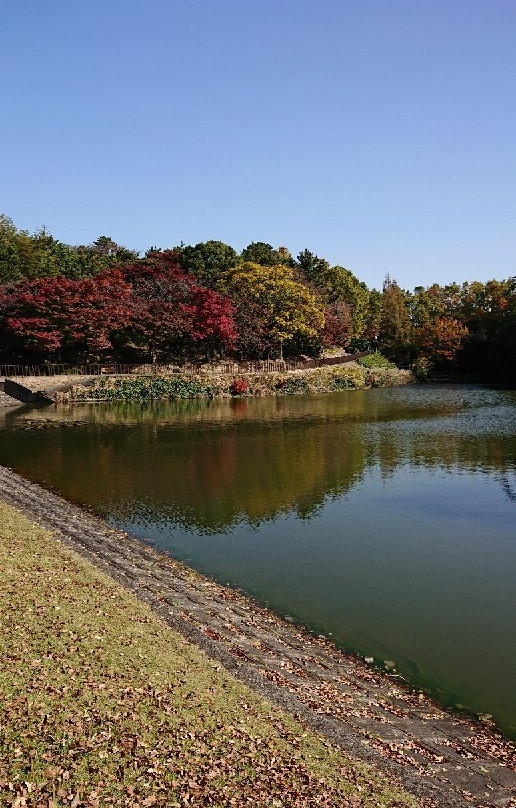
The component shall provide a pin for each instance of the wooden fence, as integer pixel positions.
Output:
(218, 368)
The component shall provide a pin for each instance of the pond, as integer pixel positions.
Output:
(384, 519)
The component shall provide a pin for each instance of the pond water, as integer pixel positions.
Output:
(385, 519)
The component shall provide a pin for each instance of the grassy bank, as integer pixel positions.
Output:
(103, 705)
(351, 376)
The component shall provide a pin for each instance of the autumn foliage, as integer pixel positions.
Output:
(440, 339)
(152, 306)
(52, 315)
(195, 303)
(172, 315)
(337, 324)
(288, 316)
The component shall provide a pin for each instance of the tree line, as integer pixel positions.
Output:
(198, 302)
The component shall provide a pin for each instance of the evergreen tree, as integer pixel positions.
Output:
(208, 260)
(395, 325)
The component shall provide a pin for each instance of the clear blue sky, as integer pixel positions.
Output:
(380, 134)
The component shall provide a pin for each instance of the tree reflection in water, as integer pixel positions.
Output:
(210, 465)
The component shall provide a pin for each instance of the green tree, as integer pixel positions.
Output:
(8, 252)
(395, 327)
(208, 260)
(258, 252)
(285, 257)
(18, 254)
(420, 306)
(426, 304)
(311, 266)
(339, 285)
(40, 255)
(373, 318)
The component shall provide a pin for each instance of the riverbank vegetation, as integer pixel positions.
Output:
(102, 705)
(352, 376)
(201, 302)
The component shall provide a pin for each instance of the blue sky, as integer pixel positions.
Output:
(380, 134)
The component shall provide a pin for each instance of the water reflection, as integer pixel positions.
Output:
(385, 517)
(211, 465)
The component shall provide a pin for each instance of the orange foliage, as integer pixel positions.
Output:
(440, 339)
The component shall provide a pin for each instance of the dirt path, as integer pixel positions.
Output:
(437, 756)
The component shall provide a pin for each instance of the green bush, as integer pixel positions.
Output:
(292, 385)
(342, 383)
(375, 360)
(146, 388)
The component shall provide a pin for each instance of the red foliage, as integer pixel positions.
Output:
(253, 338)
(152, 304)
(239, 387)
(52, 314)
(337, 325)
(173, 314)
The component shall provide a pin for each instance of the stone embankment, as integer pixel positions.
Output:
(441, 758)
(41, 389)
(5, 400)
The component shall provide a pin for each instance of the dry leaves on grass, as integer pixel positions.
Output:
(102, 705)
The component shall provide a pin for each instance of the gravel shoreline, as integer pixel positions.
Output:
(442, 759)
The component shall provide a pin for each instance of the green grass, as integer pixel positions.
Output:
(101, 704)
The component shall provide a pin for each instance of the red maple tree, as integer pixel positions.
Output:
(63, 316)
(151, 306)
(172, 315)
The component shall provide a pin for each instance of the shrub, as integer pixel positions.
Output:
(350, 377)
(341, 383)
(239, 387)
(147, 388)
(293, 384)
(375, 360)
(421, 368)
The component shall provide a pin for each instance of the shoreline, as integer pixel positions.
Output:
(180, 386)
(7, 403)
(435, 754)
(95, 683)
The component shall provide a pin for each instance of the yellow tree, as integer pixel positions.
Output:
(289, 313)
